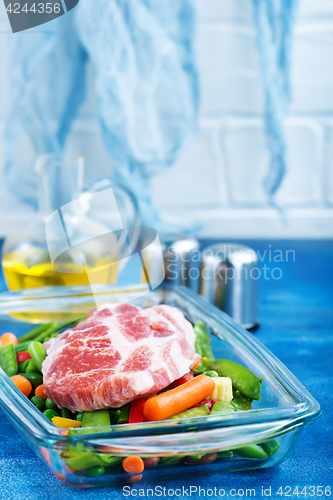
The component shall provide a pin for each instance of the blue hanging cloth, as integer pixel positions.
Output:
(274, 20)
(146, 85)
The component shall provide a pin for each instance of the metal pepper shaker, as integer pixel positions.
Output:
(228, 279)
(181, 257)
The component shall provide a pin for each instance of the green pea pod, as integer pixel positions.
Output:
(96, 418)
(38, 354)
(198, 411)
(32, 334)
(220, 407)
(22, 366)
(211, 373)
(35, 378)
(124, 414)
(243, 379)
(31, 367)
(252, 451)
(79, 417)
(270, 447)
(8, 361)
(240, 403)
(202, 343)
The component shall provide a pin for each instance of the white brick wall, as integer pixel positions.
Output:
(218, 177)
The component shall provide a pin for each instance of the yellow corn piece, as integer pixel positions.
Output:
(223, 389)
(65, 423)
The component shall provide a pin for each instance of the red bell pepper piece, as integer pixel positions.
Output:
(209, 402)
(22, 357)
(136, 411)
(180, 381)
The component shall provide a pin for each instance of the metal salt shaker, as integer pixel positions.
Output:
(228, 279)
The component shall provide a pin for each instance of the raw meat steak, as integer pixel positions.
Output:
(117, 354)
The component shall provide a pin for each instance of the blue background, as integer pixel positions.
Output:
(296, 320)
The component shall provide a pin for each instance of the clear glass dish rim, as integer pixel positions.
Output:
(243, 427)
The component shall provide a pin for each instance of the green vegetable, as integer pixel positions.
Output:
(22, 366)
(252, 451)
(81, 461)
(211, 373)
(31, 367)
(65, 413)
(240, 403)
(96, 418)
(37, 353)
(50, 414)
(95, 471)
(225, 454)
(220, 407)
(270, 447)
(39, 402)
(32, 334)
(198, 411)
(243, 379)
(50, 405)
(79, 417)
(35, 378)
(123, 415)
(8, 361)
(55, 327)
(169, 460)
(22, 347)
(202, 343)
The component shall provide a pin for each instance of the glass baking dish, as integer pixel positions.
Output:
(284, 409)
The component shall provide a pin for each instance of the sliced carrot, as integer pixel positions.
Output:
(46, 455)
(39, 391)
(196, 365)
(59, 475)
(66, 423)
(135, 479)
(8, 338)
(133, 465)
(22, 383)
(176, 400)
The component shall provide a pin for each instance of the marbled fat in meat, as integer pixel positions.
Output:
(118, 354)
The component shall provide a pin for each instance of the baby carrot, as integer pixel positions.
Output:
(133, 465)
(22, 383)
(39, 391)
(8, 338)
(176, 400)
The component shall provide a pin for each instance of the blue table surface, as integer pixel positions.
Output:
(296, 320)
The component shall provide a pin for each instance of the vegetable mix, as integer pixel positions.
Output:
(215, 387)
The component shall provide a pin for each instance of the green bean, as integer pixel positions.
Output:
(35, 378)
(225, 454)
(32, 334)
(202, 343)
(252, 451)
(243, 379)
(39, 402)
(50, 414)
(124, 414)
(65, 413)
(79, 417)
(8, 361)
(169, 460)
(96, 418)
(37, 353)
(59, 326)
(198, 411)
(50, 405)
(270, 447)
(95, 471)
(22, 347)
